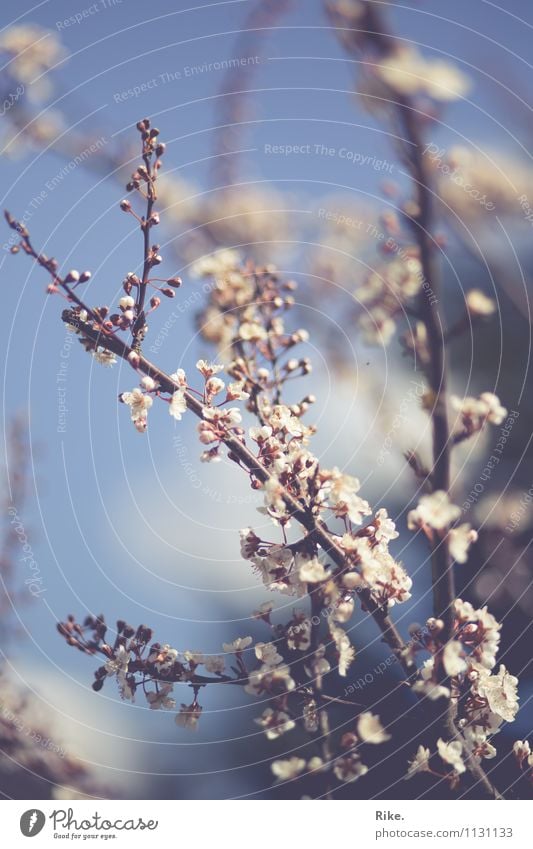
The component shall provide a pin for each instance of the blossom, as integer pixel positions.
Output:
(282, 419)
(285, 770)
(239, 644)
(483, 631)
(148, 384)
(420, 762)
(194, 658)
(268, 654)
(349, 767)
(310, 570)
(160, 698)
(118, 665)
(264, 610)
(345, 650)
(179, 377)
(270, 679)
(215, 664)
(164, 657)
(434, 510)
(408, 72)
(235, 391)
(385, 528)
(208, 369)
(33, 50)
(275, 723)
(342, 495)
(252, 331)
(496, 412)
(178, 404)
(299, 635)
(478, 304)
(105, 358)
(476, 411)
(139, 404)
(189, 716)
(499, 690)
(213, 386)
(343, 610)
(274, 497)
(259, 434)
(521, 750)
(318, 665)
(460, 539)
(431, 690)
(451, 754)
(249, 543)
(310, 716)
(216, 263)
(453, 660)
(370, 729)
(387, 579)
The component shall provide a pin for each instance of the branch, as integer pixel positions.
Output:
(315, 529)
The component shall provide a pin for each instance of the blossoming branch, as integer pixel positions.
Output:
(332, 551)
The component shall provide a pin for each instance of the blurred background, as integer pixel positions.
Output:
(270, 150)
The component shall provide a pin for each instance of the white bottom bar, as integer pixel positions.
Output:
(257, 824)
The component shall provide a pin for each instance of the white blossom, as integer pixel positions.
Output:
(370, 729)
(268, 654)
(453, 659)
(139, 404)
(105, 358)
(460, 539)
(500, 691)
(451, 754)
(310, 569)
(270, 679)
(285, 770)
(239, 644)
(214, 664)
(216, 263)
(178, 404)
(344, 648)
(434, 510)
(476, 411)
(478, 304)
(349, 767)
(160, 698)
(420, 762)
(188, 716)
(408, 72)
(275, 723)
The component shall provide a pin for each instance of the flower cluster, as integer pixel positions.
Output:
(474, 413)
(434, 515)
(140, 665)
(484, 698)
(386, 292)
